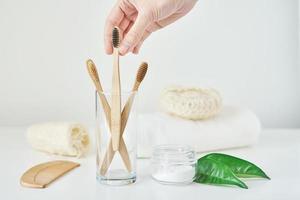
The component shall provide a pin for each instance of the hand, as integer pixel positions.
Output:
(137, 19)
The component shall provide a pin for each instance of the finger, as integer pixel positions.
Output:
(154, 27)
(132, 17)
(124, 24)
(114, 19)
(124, 33)
(136, 49)
(135, 34)
(169, 20)
(128, 27)
(123, 27)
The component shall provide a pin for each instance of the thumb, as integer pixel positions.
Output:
(135, 33)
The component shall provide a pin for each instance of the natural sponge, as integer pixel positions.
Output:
(191, 102)
(62, 138)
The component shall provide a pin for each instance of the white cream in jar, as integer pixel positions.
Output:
(173, 164)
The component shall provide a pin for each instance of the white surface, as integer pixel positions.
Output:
(233, 127)
(278, 153)
(247, 49)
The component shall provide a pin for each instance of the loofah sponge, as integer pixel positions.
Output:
(191, 103)
(62, 138)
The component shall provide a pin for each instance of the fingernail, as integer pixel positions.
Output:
(135, 51)
(108, 50)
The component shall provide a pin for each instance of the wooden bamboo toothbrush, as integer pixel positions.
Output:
(91, 67)
(138, 80)
(122, 149)
(116, 92)
(125, 114)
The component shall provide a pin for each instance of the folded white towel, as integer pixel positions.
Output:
(63, 138)
(233, 127)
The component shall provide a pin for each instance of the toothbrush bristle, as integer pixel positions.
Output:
(142, 72)
(92, 69)
(115, 37)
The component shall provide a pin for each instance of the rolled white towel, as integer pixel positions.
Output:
(233, 127)
(62, 138)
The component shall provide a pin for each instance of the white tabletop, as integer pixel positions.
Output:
(278, 153)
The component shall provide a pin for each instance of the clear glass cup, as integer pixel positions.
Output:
(116, 167)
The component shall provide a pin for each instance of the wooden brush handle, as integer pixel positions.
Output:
(127, 108)
(116, 103)
(96, 80)
(125, 112)
(107, 159)
(109, 155)
(124, 118)
(122, 149)
(105, 107)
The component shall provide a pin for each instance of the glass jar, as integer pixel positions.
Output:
(173, 164)
(116, 167)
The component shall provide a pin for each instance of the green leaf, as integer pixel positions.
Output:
(241, 168)
(211, 171)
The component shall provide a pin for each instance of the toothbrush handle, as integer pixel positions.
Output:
(110, 153)
(116, 103)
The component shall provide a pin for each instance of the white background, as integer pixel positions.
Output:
(247, 49)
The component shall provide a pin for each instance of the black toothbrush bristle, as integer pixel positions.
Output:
(115, 37)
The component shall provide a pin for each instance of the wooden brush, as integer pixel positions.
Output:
(122, 148)
(116, 92)
(110, 153)
(125, 114)
(138, 80)
(91, 67)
